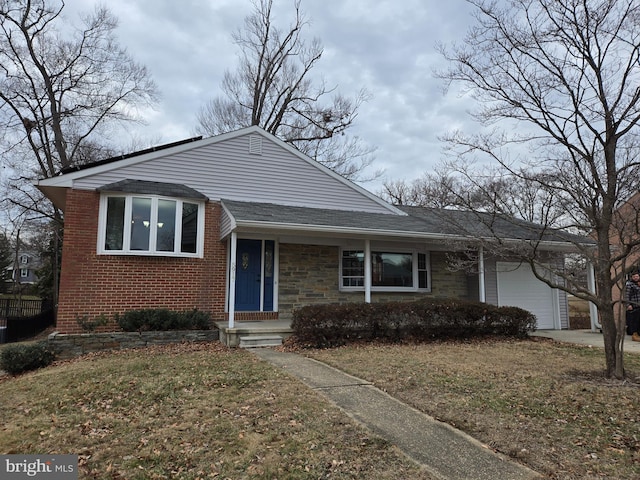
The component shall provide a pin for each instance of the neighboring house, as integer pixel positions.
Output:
(245, 227)
(24, 268)
(624, 238)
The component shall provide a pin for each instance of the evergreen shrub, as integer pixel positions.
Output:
(22, 357)
(337, 324)
(162, 319)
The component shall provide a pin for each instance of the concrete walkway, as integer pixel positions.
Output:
(585, 337)
(445, 452)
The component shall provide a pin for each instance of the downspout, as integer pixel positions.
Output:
(481, 285)
(367, 271)
(593, 310)
(232, 279)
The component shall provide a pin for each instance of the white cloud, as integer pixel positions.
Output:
(387, 47)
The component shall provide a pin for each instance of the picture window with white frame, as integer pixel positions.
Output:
(390, 270)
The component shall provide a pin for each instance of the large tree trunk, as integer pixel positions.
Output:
(612, 350)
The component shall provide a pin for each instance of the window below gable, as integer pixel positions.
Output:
(390, 270)
(150, 225)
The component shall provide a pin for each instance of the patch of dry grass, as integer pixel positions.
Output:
(545, 404)
(188, 412)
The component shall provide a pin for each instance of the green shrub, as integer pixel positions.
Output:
(194, 319)
(162, 319)
(22, 357)
(91, 324)
(336, 324)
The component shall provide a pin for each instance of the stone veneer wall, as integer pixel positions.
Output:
(309, 275)
(69, 346)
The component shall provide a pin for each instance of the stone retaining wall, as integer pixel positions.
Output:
(73, 345)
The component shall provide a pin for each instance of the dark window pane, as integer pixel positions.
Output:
(140, 223)
(166, 233)
(423, 279)
(268, 258)
(352, 268)
(353, 282)
(423, 271)
(189, 227)
(115, 223)
(392, 269)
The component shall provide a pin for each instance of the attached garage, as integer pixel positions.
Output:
(518, 287)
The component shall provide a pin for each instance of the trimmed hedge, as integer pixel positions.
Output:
(162, 319)
(337, 324)
(22, 357)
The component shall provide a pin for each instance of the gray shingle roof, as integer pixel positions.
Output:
(487, 225)
(280, 214)
(419, 222)
(153, 188)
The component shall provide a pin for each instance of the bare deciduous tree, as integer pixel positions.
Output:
(564, 76)
(64, 91)
(459, 185)
(433, 189)
(272, 88)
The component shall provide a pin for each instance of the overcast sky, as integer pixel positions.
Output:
(384, 46)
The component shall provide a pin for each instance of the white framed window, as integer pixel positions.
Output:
(24, 272)
(24, 259)
(150, 225)
(391, 270)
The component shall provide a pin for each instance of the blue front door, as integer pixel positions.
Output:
(248, 275)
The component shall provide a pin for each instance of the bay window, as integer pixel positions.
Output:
(150, 225)
(390, 270)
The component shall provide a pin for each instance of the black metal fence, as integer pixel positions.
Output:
(20, 319)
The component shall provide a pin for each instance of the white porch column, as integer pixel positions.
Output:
(232, 279)
(593, 310)
(367, 271)
(276, 273)
(481, 287)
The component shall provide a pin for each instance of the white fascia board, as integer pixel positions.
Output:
(59, 181)
(342, 230)
(232, 219)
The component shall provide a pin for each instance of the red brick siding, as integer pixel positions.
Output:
(253, 316)
(92, 285)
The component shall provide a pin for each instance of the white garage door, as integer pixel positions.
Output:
(518, 287)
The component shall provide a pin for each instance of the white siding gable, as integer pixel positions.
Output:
(252, 166)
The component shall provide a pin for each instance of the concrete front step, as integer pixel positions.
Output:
(271, 328)
(253, 341)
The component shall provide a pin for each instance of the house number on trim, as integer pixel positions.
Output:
(245, 261)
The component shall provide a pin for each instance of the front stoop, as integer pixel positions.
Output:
(255, 341)
(269, 332)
